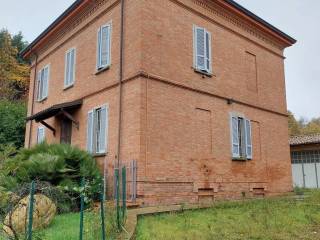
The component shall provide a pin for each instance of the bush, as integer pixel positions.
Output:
(63, 166)
(12, 123)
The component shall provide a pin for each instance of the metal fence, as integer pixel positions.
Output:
(100, 220)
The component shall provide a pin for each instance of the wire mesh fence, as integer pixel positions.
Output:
(38, 211)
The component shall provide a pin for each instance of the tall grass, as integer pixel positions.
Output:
(267, 219)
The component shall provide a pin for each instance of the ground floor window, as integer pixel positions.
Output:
(40, 135)
(97, 130)
(240, 128)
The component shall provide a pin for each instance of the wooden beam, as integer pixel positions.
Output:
(49, 127)
(69, 116)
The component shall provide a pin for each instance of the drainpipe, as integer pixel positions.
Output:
(120, 81)
(33, 93)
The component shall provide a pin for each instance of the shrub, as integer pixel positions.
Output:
(63, 166)
(12, 123)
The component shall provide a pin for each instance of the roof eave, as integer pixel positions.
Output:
(25, 53)
(285, 37)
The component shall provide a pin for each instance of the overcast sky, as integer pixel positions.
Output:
(298, 18)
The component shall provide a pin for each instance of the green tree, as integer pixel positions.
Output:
(12, 123)
(14, 72)
(19, 43)
(294, 125)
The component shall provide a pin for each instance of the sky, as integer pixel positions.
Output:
(298, 18)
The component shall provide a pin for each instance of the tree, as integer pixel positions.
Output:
(294, 125)
(303, 126)
(14, 72)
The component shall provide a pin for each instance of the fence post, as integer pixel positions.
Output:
(81, 207)
(30, 215)
(116, 173)
(102, 214)
(124, 192)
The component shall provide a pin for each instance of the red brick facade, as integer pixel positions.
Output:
(175, 121)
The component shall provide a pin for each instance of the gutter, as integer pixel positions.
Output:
(33, 94)
(120, 83)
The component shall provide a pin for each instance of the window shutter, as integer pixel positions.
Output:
(67, 69)
(199, 45)
(99, 50)
(248, 139)
(45, 82)
(103, 129)
(105, 39)
(72, 66)
(208, 52)
(234, 125)
(39, 86)
(90, 132)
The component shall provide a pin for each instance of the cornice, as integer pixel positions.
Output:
(214, 11)
(73, 23)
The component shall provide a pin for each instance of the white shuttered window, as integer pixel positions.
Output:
(40, 135)
(97, 130)
(104, 47)
(70, 62)
(241, 139)
(43, 83)
(202, 49)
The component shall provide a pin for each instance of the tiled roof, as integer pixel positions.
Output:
(305, 139)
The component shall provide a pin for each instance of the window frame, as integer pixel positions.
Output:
(42, 93)
(99, 66)
(66, 83)
(242, 135)
(207, 55)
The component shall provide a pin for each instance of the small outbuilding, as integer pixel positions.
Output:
(305, 160)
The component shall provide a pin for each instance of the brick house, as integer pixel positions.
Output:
(193, 90)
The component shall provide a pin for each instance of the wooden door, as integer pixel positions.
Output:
(66, 131)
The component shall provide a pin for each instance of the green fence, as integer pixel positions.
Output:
(34, 215)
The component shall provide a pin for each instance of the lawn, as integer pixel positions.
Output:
(271, 219)
(66, 227)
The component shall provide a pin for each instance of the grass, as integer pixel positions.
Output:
(66, 227)
(269, 219)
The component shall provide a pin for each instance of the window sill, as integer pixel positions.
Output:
(204, 73)
(240, 159)
(99, 154)
(67, 87)
(100, 70)
(42, 100)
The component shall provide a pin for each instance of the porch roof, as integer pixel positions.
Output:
(54, 110)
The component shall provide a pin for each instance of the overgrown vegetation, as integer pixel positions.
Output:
(61, 166)
(12, 124)
(269, 219)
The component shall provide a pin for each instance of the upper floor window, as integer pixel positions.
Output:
(104, 47)
(241, 137)
(70, 62)
(202, 49)
(97, 130)
(40, 135)
(43, 83)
